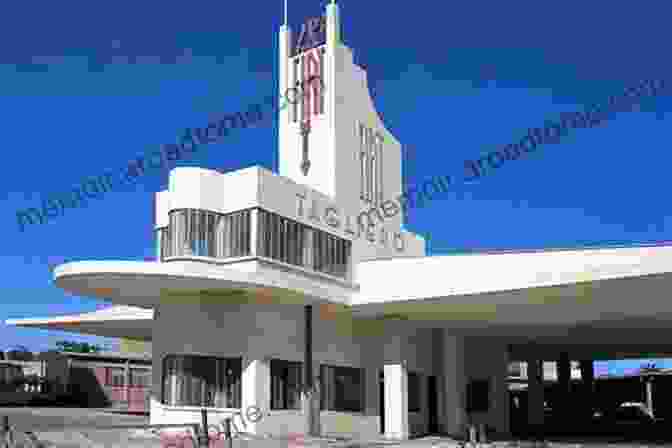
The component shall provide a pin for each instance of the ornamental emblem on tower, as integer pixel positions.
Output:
(308, 63)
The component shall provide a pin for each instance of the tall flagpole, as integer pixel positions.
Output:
(285, 13)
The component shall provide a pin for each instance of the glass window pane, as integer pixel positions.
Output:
(285, 384)
(190, 380)
(414, 380)
(343, 389)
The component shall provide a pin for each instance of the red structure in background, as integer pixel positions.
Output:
(120, 381)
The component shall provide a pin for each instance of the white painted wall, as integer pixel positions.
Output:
(262, 332)
(396, 401)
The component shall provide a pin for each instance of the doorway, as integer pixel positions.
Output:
(381, 400)
(432, 405)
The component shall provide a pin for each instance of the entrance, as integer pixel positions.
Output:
(432, 405)
(381, 401)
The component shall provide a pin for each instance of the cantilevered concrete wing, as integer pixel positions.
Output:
(116, 321)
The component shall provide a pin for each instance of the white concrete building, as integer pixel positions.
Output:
(261, 273)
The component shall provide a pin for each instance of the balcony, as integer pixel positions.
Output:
(254, 232)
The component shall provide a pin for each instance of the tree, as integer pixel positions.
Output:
(78, 347)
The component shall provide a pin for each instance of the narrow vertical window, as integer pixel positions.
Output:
(379, 161)
(369, 174)
(374, 170)
(295, 105)
(322, 50)
(370, 165)
(362, 162)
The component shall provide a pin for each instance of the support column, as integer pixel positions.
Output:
(649, 394)
(256, 395)
(310, 402)
(535, 393)
(587, 387)
(127, 384)
(455, 385)
(500, 415)
(563, 391)
(396, 401)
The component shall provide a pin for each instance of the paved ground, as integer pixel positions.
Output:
(33, 419)
(45, 421)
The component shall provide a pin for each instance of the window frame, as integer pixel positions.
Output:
(286, 392)
(415, 399)
(313, 249)
(146, 374)
(326, 389)
(232, 389)
(109, 376)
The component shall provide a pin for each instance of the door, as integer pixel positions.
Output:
(433, 405)
(381, 400)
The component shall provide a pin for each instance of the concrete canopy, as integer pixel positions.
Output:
(595, 303)
(147, 284)
(116, 321)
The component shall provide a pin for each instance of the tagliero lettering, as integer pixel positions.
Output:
(414, 196)
(334, 218)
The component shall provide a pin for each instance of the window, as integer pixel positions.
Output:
(164, 242)
(116, 376)
(286, 384)
(370, 165)
(208, 234)
(414, 391)
(515, 369)
(141, 377)
(342, 389)
(297, 244)
(190, 380)
(8, 373)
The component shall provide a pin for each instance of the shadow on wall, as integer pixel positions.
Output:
(85, 389)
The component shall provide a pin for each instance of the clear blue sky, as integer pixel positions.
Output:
(86, 86)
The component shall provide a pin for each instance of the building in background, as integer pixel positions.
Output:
(118, 380)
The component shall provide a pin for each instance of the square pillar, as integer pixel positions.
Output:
(127, 383)
(649, 394)
(564, 389)
(455, 385)
(310, 399)
(500, 413)
(587, 386)
(396, 401)
(535, 392)
(256, 395)
(564, 369)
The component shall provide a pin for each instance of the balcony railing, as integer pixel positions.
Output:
(254, 232)
(297, 244)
